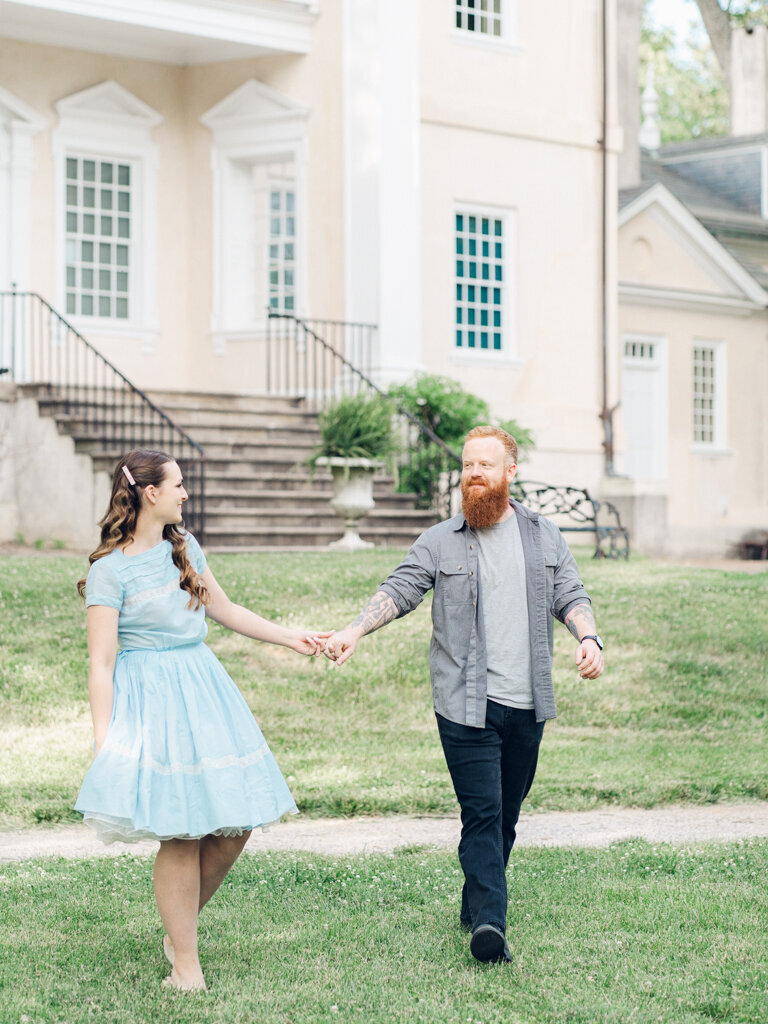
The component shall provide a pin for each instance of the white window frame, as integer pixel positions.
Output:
(507, 41)
(719, 442)
(508, 354)
(253, 126)
(108, 122)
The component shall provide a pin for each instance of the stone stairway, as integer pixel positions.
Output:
(260, 494)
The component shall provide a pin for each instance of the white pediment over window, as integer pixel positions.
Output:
(21, 115)
(250, 110)
(109, 102)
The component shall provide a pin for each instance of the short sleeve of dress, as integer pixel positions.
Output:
(196, 555)
(103, 586)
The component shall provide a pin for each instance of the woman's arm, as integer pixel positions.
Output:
(239, 619)
(102, 651)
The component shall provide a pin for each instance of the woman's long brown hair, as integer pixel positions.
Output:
(118, 525)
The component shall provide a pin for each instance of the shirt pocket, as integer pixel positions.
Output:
(452, 584)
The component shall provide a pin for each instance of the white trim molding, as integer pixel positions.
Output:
(180, 32)
(19, 123)
(719, 443)
(257, 131)
(507, 40)
(508, 353)
(740, 292)
(108, 122)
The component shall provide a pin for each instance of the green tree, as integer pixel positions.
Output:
(693, 99)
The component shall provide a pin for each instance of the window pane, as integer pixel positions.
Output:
(71, 170)
(106, 199)
(121, 308)
(123, 227)
(70, 277)
(71, 195)
(106, 226)
(86, 305)
(89, 223)
(479, 310)
(121, 256)
(71, 306)
(274, 200)
(121, 281)
(86, 252)
(105, 280)
(289, 201)
(89, 170)
(105, 253)
(124, 202)
(124, 175)
(89, 197)
(86, 277)
(106, 174)
(72, 222)
(105, 305)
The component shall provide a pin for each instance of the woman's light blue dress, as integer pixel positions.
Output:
(183, 756)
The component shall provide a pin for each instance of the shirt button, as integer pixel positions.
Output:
(471, 547)
(470, 572)
(459, 567)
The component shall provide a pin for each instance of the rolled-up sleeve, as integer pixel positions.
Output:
(569, 590)
(411, 580)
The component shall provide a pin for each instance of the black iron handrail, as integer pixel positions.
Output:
(300, 361)
(90, 398)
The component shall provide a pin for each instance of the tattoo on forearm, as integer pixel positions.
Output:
(380, 610)
(580, 620)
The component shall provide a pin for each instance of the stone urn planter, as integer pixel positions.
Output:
(352, 496)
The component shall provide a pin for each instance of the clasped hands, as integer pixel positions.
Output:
(337, 647)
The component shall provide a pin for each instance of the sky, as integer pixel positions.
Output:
(677, 15)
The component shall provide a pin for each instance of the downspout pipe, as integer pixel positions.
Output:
(606, 413)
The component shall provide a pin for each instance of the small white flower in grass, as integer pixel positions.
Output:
(334, 1008)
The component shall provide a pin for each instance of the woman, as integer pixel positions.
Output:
(178, 755)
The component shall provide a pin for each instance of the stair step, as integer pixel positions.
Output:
(315, 536)
(313, 516)
(172, 400)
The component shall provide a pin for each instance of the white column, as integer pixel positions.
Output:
(18, 124)
(382, 179)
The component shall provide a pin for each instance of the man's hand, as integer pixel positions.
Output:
(589, 660)
(341, 646)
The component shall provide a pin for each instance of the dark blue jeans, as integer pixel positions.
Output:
(492, 771)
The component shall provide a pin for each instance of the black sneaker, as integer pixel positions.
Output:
(488, 945)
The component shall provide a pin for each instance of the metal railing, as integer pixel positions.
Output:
(91, 399)
(313, 359)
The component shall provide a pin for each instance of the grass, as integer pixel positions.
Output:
(635, 933)
(679, 715)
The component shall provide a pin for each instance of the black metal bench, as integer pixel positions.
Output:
(573, 510)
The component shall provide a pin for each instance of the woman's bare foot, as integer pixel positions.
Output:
(185, 984)
(168, 949)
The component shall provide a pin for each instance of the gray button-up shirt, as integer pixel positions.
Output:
(445, 558)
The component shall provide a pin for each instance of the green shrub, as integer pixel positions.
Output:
(356, 427)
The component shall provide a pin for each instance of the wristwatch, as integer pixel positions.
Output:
(594, 637)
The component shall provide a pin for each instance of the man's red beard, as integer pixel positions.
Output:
(484, 506)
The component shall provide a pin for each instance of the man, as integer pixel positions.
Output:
(500, 573)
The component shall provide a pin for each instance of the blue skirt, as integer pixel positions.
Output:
(183, 757)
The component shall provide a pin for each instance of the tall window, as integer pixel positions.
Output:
(708, 395)
(98, 234)
(479, 282)
(481, 16)
(282, 248)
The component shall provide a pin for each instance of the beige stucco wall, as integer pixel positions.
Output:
(520, 141)
(182, 354)
(48, 492)
(712, 499)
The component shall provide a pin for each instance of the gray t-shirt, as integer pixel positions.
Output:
(501, 566)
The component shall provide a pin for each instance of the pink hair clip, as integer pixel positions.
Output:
(129, 476)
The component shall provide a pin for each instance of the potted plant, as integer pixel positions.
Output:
(356, 438)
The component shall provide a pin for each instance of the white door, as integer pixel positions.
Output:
(644, 402)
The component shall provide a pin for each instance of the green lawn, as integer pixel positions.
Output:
(680, 713)
(635, 933)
